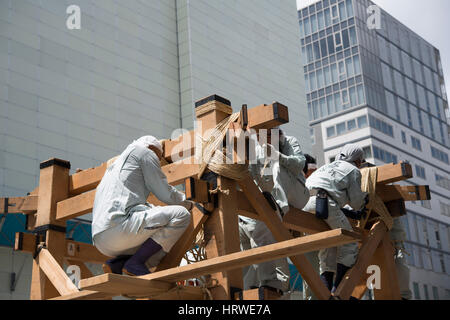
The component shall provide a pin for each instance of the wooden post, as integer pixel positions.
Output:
(53, 187)
(221, 229)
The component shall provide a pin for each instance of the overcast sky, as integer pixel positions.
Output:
(430, 19)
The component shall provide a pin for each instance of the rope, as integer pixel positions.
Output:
(368, 184)
(213, 155)
(212, 106)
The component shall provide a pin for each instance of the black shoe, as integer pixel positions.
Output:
(115, 265)
(327, 279)
(341, 270)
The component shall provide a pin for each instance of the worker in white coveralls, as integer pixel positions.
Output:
(332, 187)
(125, 226)
(280, 178)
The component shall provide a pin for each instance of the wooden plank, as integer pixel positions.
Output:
(180, 148)
(302, 221)
(390, 173)
(221, 234)
(86, 180)
(224, 263)
(124, 285)
(384, 258)
(267, 116)
(77, 251)
(406, 193)
(175, 255)
(55, 273)
(197, 190)
(85, 295)
(280, 233)
(75, 206)
(25, 205)
(182, 293)
(396, 208)
(366, 252)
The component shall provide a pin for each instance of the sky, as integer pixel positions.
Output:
(430, 19)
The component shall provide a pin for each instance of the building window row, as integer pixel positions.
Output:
(384, 155)
(347, 126)
(320, 16)
(442, 182)
(439, 155)
(345, 99)
(381, 126)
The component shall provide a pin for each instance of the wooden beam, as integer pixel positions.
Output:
(25, 205)
(124, 285)
(280, 233)
(384, 258)
(257, 294)
(366, 252)
(86, 180)
(396, 208)
(267, 116)
(77, 251)
(180, 148)
(85, 295)
(406, 193)
(75, 206)
(390, 173)
(197, 190)
(107, 282)
(301, 221)
(55, 273)
(182, 293)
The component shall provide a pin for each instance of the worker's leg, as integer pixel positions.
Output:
(288, 191)
(398, 235)
(275, 273)
(249, 272)
(164, 225)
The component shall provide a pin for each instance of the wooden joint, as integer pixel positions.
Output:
(197, 190)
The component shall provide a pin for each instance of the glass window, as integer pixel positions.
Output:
(327, 15)
(349, 66)
(349, 6)
(320, 80)
(314, 23)
(334, 12)
(410, 89)
(345, 39)
(327, 75)
(435, 293)
(315, 105)
(330, 44)
(323, 108)
(330, 104)
(399, 84)
(344, 94)
(342, 12)
(334, 73)
(312, 81)
(414, 117)
(309, 53)
(340, 128)
(416, 291)
(331, 132)
(352, 34)
(420, 172)
(320, 20)
(342, 72)
(351, 125)
(407, 64)
(390, 104)
(353, 97)
(362, 122)
(316, 48)
(360, 90)
(307, 83)
(307, 27)
(418, 71)
(395, 54)
(425, 288)
(323, 47)
(387, 78)
(357, 64)
(338, 102)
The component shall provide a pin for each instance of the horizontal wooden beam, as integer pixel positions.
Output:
(406, 193)
(394, 172)
(180, 148)
(267, 116)
(108, 282)
(124, 285)
(85, 295)
(74, 250)
(75, 206)
(181, 293)
(25, 205)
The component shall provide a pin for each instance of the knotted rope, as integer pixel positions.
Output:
(368, 184)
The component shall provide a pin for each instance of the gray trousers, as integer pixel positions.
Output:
(254, 234)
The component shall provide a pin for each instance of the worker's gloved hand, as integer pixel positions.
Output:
(355, 215)
(188, 204)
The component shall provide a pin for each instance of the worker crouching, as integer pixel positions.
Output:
(334, 186)
(125, 226)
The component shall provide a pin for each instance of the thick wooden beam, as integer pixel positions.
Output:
(125, 285)
(25, 205)
(180, 148)
(182, 293)
(197, 190)
(365, 254)
(75, 206)
(110, 282)
(55, 273)
(76, 251)
(394, 172)
(280, 233)
(85, 295)
(301, 221)
(267, 116)
(406, 193)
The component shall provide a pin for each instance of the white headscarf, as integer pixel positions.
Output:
(147, 141)
(351, 153)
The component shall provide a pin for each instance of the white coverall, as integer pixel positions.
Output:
(342, 181)
(123, 219)
(285, 181)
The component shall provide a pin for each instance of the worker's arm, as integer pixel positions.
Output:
(356, 196)
(292, 157)
(156, 181)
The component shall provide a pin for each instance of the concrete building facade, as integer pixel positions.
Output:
(382, 87)
(135, 67)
